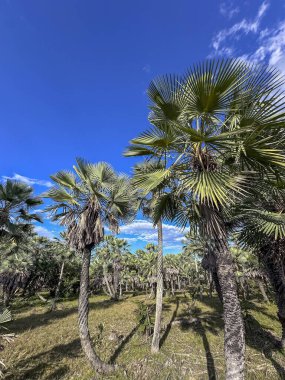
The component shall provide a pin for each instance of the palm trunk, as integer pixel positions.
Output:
(108, 285)
(56, 294)
(151, 294)
(179, 283)
(172, 287)
(116, 280)
(211, 283)
(209, 263)
(83, 310)
(234, 341)
(159, 291)
(262, 290)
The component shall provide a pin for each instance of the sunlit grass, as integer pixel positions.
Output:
(47, 345)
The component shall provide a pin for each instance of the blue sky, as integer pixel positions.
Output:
(74, 73)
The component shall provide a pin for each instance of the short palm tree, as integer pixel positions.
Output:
(84, 201)
(217, 127)
(111, 254)
(146, 261)
(16, 204)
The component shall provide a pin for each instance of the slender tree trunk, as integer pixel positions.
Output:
(108, 285)
(234, 340)
(167, 291)
(209, 263)
(179, 283)
(116, 280)
(211, 283)
(83, 311)
(159, 291)
(262, 290)
(152, 293)
(172, 287)
(56, 294)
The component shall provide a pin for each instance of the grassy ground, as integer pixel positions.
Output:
(47, 345)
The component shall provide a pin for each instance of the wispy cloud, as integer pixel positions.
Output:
(245, 26)
(271, 48)
(143, 231)
(172, 247)
(268, 47)
(228, 9)
(29, 181)
(42, 231)
(130, 239)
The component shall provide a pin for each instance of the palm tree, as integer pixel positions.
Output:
(85, 201)
(63, 254)
(156, 202)
(146, 260)
(16, 204)
(260, 219)
(218, 126)
(111, 252)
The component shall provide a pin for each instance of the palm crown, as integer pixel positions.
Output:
(215, 127)
(89, 198)
(16, 204)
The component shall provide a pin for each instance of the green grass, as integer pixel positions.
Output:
(47, 345)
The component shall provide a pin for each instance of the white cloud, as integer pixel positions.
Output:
(42, 231)
(228, 9)
(270, 49)
(143, 230)
(130, 239)
(172, 247)
(38, 211)
(29, 181)
(243, 27)
(272, 46)
(270, 42)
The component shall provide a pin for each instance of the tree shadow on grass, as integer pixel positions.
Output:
(168, 327)
(200, 323)
(264, 341)
(212, 302)
(256, 335)
(35, 366)
(209, 357)
(58, 373)
(123, 343)
(36, 320)
(260, 309)
(126, 340)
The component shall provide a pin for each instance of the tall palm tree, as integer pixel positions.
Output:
(160, 202)
(218, 126)
(84, 201)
